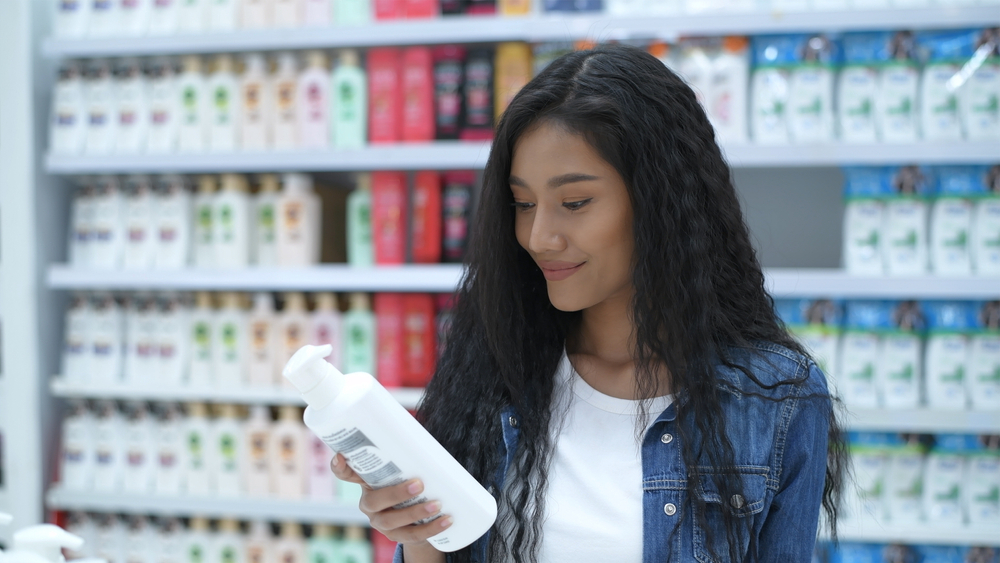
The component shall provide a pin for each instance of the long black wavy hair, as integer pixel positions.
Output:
(699, 290)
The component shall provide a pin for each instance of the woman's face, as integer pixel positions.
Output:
(573, 216)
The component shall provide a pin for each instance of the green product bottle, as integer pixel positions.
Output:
(360, 246)
(359, 336)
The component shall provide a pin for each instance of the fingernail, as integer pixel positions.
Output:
(433, 508)
(445, 522)
(415, 487)
(336, 460)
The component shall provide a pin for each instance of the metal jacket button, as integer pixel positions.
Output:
(513, 422)
(666, 438)
(737, 502)
(669, 509)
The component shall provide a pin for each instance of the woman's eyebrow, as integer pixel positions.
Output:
(556, 181)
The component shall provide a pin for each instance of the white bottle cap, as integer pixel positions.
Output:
(46, 541)
(314, 377)
(297, 183)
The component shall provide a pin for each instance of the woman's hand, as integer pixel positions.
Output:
(395, 524)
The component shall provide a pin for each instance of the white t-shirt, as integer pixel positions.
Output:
(593, 508)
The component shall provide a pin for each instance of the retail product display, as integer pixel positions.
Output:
(912, 220)
(356, 417)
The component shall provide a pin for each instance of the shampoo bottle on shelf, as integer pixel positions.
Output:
(138, 537)
(82, 226)
(170, 533)
(173, 223)
(425, 223)
(327, 326)
(513, 71)
(980, 111)
(477, 125)
(982, 482)
(456, 202)
(857, 88)
(169, 438)
(172, 330)
(419, 339)
(354, 409)
(142, 357)
(316, 13)
(322, 484)
(77, 457)
(355, 546)
(322, 546)
(103, 21)
(389, 211)
(259, 543)
(940, 118)
(109, 463)
(418, 95)
(197, 455)
(194, 106)
(140, 450)
(360, 250)
(896, 108)
(192, 15)
(293, 327)
(264, 246)
(291, 546)
(390, 9)
(99, 96)
(986, 224)
(313, 105)
(449, 100)
(899, 366)
(288, 446)
(298, 222)
(230, 343)
(859, 356)
(198, 540)
(164, 106)
(107, 240)
(203, 338)
(389, 313)
(163, 17)
(951, 221)
(384, 95)
(229, 542)
(68, 125)
(231, 223)
(256, 104)
(223, 15)
(227, 439)
(224, 105)
(904, 483)
(258, 455)
(288, 13)
(131, 107)
(133, 18)
(107, 340)
(140, 210)
(262, 365)
(77, 347)
(81, 525)
(108, 532)
(726, 98)
(285, 116)
(204, 215)
(353, 12)
(769, 89)
(360, 344)
(71, 18)
(983, 385)
(349, 99)
(945, 479)
(256, 14)
(906, 215)
(810, 88)
(947, 355)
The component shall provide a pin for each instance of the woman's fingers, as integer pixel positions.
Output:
(416, 534)
(397, 518)
(343, 471)
(378, 500)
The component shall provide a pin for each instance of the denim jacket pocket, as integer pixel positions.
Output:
(744, 506)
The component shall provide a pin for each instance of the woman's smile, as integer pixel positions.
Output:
(558, 271)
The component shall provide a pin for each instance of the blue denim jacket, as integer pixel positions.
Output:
(780, 450)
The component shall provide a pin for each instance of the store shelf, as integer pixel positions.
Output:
(555, 27)
(408, 397)
(838, 284)
(868, 530)
(923, 421)
(458, 155)
(59, 498)
(438, 278)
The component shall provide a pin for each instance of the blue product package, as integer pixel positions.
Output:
(946, 46)
(899, 554)
(873, 316)
(940, 554)
(849, 552)
(980, 555)
(950, 316)
(572, 5)
(866, 47)
(865, 182)
(776, 50)
(959, 180)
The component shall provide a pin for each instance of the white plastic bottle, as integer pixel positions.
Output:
(944, 481)
(810, 105)
(978, 100)
(140, 450)
(198, 451)
(204, 219)
(99, 93)
(769, 94)
(904, 480)
(170, 545)
(358, 418)
(858, 360)
(173, 223)
(727, 100)
(294, 329)
(108, 537)
(169, 436)
(896, 101)
(946, 357)
(696, 68)
(983, 480)
(256, 14)
(108, 448)
(360, 243)
(107, 340)
(951, 223)
(349, 102)
(940, 119)
(163, 17)
(983, 381)
(906, 225)
(231, 223)
(899, 367)
(81, 525)
(192, 16)
(103, 20)
(316, 13)
(133, 18)
(67, 130)
(223, 15)
(164, 106)
(256, 104)
(107, 227)
(262, 366)
(172, 340)
(287, 13)
(857, 88)
(77, 457)
(298, 222)
(71, 18)
(192, 131)
(285, 116)
(224, 104)
(986, 227)
(265, 222)
(197, 541)
(77, 348)
(227, 436)
(131, 107)
(142, 357)
(327, 326)
(290, 546)
(259, 543)
(288, 450)
(82, 226)
(140, 210)
(230, 343)
(257, 453)
(313, 105)
(200, 373)
(138, 537)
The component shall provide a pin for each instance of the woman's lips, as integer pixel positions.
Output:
(558, 271)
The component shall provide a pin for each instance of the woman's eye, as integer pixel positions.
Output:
(575, 205)
(522, 205)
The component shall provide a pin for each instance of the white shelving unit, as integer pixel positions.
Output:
(923, 421)
(554, 27)
(921, 534)
(459, 155)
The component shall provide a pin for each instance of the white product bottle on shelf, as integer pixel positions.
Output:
(170, 540)
(265, 222)
(859, 351)
(360, 244)
(291, 546)
(857, 88)
(313, 105)
(940, 119)
(71, 18)
(896, 109)
(982, 482)
(169, 436)
(99, 93)
(133, 19)
(77, 458)
(203, 337)
(82, 226)
(944, 481)
(360, 348)
(258, 455)
(198, 541)
(164, 106)
(82, 526)
(229, 341)
(316, 13)
(349, 99)
(294, 328)
(322, 483)
(104, 18)
(298, 222)
(231, 223)
(726, 98)
(951, 222)
(285, 114)
(192, 16)
(142, 356)
(198, 462)
(163, 17)
(328, 326)
(194, 106)
(140, 226)
(352, 412)
(899, 359)
(204, 219)
(68, 126)
(108, 448)
(78, 346)
(262, 367)
(769, 94)
(256, 14)
(947, 356)
(107, 340)
(224, 104)
(904, 483)
(986, 226)
(983, 380)
(906, 224)
(980, 114)
(131, 107)
(259, 543)
(695, 67)
(864, 220)
(108, 537)
(288, 450)
(107, 228)
(229, 545)
(287, 13)
(810, 85)
(227, 432)
(257, 104)
(173, 223)
(139, 535)
(140, 450)
(223, 15)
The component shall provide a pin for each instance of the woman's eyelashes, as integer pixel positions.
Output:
(522, 205)
(576, 205)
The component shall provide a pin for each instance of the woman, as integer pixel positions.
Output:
(615, 373)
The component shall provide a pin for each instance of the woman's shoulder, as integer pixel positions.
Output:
(770, 369)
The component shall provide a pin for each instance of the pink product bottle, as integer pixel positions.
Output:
(419, 339)
(449, 72)
(421, 8)
(322, 483)
(390, 9)
(384, 95)
(313, 105)
(389, 315)
(389, 217)
(418, 94)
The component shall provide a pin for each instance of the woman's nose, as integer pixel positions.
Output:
(546, 234)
